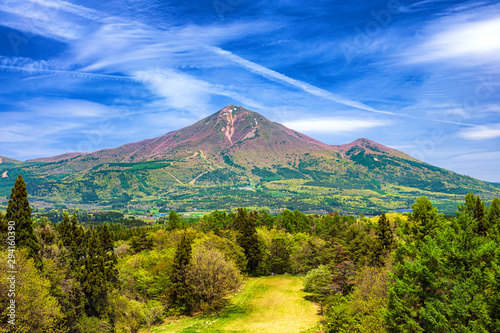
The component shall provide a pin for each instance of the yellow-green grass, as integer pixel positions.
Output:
(271, 304)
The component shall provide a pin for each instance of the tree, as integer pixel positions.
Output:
(494, 217)
(36, 309)
(248, 239)
(361, 310)
(423, 222)
(19, 211)
(445, 281)
(174, 221)
(141, 242)
(181, 294)
(279, 249)
(97, 274)
(384, 240)
(152, 311)
(211, 277)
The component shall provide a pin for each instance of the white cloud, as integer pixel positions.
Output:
(333, 124)
(183, 91)
(78, 10)
(35, 19)
(180, 90)
(472, 38)
(69, 108)
(483, 132)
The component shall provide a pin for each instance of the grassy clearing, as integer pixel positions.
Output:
(271, 304)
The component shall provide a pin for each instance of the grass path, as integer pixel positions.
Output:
(273, 304)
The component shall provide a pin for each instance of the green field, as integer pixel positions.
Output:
(270, 304)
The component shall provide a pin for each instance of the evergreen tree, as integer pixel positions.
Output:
(64, 230)
(424, 221)
(493, 217)
(174, 221)
(445, 281)
(384, 240)
(19, 211)
(248, 239)
(475, 208)
(141, 242)
(181, 294)
(479, 216)
(99, 275)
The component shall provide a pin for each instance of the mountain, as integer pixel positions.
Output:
(237, 157)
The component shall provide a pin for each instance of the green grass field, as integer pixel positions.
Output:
(271, 304)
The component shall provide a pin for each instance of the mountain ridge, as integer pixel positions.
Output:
(235, 148)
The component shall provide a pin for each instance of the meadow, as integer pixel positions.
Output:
(271, 304)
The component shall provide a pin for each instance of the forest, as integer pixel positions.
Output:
(418, 272)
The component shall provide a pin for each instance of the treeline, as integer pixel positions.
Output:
(419, 272)
(425, 273)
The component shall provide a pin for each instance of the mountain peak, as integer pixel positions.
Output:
(368, 146)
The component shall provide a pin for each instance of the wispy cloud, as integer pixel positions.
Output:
(306, 87)
(185, 92)
(69, 7)
(334, 125)
(482, 132)
(471, 38)
(35, 18)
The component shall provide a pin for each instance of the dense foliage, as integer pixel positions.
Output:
(419, 272)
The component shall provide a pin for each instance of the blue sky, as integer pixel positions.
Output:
(419, 76)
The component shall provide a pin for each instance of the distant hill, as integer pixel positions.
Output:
(57, 158)
(237, 157)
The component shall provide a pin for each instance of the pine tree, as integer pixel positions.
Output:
(475, 208)
(424, 221)
(181, 295)
(64, 230)
(248, 239)
(445, 281)
(141, 242)
(98, 275)
(493, 217)
(417, 263)
(174, 221)
(479, 216)
(384, 240)
(19, 211)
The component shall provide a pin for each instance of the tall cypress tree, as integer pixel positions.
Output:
(248, 239)
(180, 295)
(98, 275)
(19, 211)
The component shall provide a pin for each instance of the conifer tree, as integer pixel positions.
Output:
(248, 239)
(19, 211)
(174, 221)
(181, 295)
(384, 239)
(445, 281)
(64, 229)
(99, 275)
(475, 208)
(479, 214)
(141, 242)
(494, 217)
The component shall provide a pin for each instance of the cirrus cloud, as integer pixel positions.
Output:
(334, 124)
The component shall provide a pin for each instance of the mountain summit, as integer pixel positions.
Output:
(237, 148)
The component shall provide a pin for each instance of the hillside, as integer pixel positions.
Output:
(238, 157)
